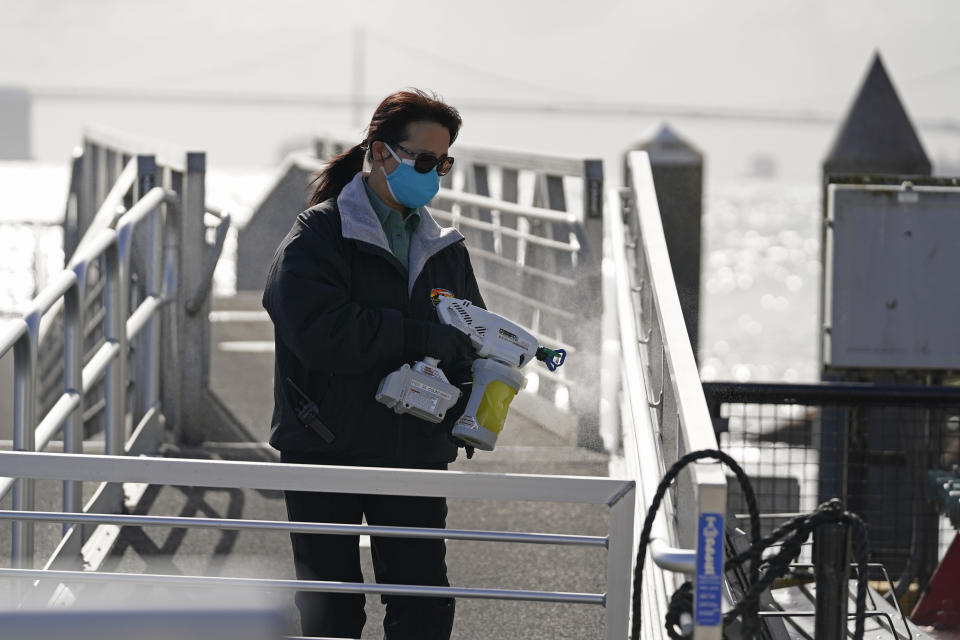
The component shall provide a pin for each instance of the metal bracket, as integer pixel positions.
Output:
(659, 402)
(194, 304)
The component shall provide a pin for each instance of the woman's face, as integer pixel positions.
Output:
(422, 137)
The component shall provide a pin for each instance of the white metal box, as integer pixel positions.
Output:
(891, 290)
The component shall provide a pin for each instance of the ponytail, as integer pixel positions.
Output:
(337, 174)
(389, 124)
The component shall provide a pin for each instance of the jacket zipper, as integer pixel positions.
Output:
(399, 418)
(390, 258)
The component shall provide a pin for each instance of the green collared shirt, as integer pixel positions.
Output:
(398, 227)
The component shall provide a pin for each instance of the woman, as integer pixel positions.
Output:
(349, 293)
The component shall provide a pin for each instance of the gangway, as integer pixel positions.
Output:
(135, 373)
(159, 291)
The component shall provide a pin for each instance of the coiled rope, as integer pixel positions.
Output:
(773, 567)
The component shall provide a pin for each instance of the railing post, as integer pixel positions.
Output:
(677, 168)
(620, 565)
(610, 350)
(74, 205)
(832, 572)
(140, 266)
(24, 436)
(87, 202)
(150, 388)
(588, 306)
(73, 351)
(477, 181)
(708, 580)
(193, 329)
(116, 305)
(593, 189)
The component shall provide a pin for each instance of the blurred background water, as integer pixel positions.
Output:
(760, 282)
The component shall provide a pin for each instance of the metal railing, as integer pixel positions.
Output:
(33, 432)
(533, 223)
(102, 175)
(616, 494)
(539, 244)
(26, 246)
(660, 412)
(112, 324)
(871, 445)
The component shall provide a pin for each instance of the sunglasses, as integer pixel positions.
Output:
(424, 162)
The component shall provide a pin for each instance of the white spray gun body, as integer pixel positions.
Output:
(492, 335)
(503, 348)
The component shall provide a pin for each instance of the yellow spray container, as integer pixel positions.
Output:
(494, 387)
(502, 348)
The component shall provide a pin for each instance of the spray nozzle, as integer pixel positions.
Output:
(553, 358)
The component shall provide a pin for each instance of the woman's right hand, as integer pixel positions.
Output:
(440, 341)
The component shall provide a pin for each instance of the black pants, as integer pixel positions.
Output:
(395, 561)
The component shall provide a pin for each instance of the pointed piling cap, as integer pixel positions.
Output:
(877, 135)
(665, 146)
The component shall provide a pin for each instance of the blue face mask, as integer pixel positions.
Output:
(408, 186)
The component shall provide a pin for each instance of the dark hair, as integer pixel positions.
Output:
(388, 124)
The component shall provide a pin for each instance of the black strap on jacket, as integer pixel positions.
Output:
(308, 413)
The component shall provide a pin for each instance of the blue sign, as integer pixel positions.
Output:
(708, 586)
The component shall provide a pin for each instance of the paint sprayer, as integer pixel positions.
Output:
(503, 348)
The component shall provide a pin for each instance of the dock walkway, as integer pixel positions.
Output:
(241, 374)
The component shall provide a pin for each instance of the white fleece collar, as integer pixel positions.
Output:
(359, 222)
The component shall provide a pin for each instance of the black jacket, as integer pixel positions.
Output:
(339, 300)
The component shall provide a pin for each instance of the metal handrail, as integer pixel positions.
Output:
(696, 426)
(162, 283)
(519, 298)
(657, 431)
(618, 495)
(195, 303)
(518, 160)
(97, 316)
(526, 269)
(309, 585)
(837, 393)
(572, 247)
(236, 524)
(671, 558)
(638, 437)
(67, 291)
(10, 332)
(486, 202)
(106, 214)
(166, 154)
(329, 478)
(515, 159)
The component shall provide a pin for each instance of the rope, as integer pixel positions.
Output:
(778, 565)
(775, 566)
(668, 478)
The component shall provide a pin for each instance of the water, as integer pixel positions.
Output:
(760, 286)
(760, 280)
(32, 201)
